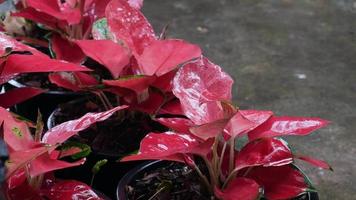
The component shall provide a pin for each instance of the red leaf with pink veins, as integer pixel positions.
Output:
(264, 152)
(70, 189)
(209, 130)
(16, 179)
(157, 146)
(282, 126)
(136, 3)
(44, 164)
(181, 125)
(164, 82)
(66, 50)
(30, 63)
(8, 42)
(129, 25)
(22, 192)
(95, 8)
(282, 182)
(16, 133)
(239, 188)
(257, 116)
(61, 11)
(108, 53)
(18, 95)
(315, 162)
(62, 132)
(163, 56)
(134, 83)
(199, 85)
(75, 81)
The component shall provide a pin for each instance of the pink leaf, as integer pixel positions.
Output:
(66, 50)
(8, 42)
(172, 107)
(177, 124)
(36, 16)
(137, 4)
(16, 133)
(129, 25)
(237, 126)
(292, 184)
(61, 11)
(163, 146)
(164, 82)
(44, 164)
(106, 52)
(70, 189)
(209, 130)
(18, 95)
(199, 85)
(265, 152)
(162, 56)
(75, 81)
(135, 83)
(31, 63)
(62, 132)
(239, 188)
(316, 162)
(282, 126)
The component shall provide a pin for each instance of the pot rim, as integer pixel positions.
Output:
(128, 177)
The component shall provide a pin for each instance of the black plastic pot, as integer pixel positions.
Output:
(45, 102)
(148, 166)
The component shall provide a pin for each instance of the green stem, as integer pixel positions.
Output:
(211, 172)
(231, 176)
(203, 177)
(232, 154)
(222, 158)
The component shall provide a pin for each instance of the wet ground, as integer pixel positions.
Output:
(293, 57)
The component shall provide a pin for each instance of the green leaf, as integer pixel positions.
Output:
(96, 168)
(17, 132)
(85, 149)
(101, 30)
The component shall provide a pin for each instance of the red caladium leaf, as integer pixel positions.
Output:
(209, 130)
(164, 82)
(172, 107)
(16, 133)
(152, 104)
(18, 95)
(62, 132)
(129, 25)
(75, 81)
(199, 85)
(39, 17)
(16, 179)
(237, 126)
(22, 192)
(264, 152)
(162, 56)
(292, 184)
(136, 3)
(43, 164)
(282, 126)
(239, 188)
(66, 50)
(62, 11)
(8, 42)
(181, 125)
(20, 159)
(111, 55)
(70, 189)
(137, 83)
(257, 116)
(316, 162)
(30, 63)
(164, 146)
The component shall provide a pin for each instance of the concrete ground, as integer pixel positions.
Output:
(292, 57)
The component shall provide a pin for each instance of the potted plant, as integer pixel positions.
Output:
(32, 159)
(227, 153)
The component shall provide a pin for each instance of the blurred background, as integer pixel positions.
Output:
(295, 57)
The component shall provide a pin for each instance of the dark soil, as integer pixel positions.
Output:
(117, 136)
(39, 80)
(174, 181)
